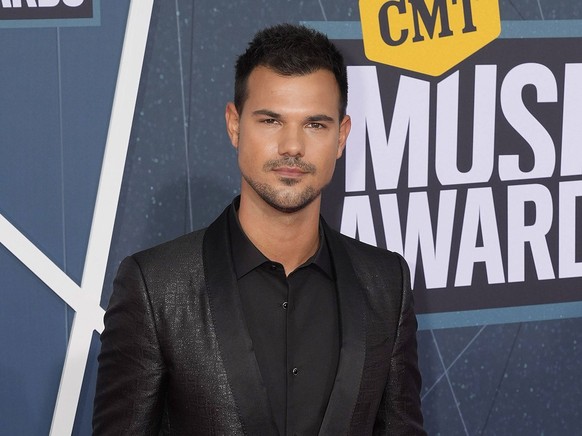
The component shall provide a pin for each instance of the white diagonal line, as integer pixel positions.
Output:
(185, 119)
(49, 273)
(448, 368)
(116, 147)
(104, 213)
(322, 11)
(85, 299)
(455, 401)
(541, 11)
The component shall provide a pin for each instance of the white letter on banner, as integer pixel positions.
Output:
(480, 209)
(6, 4)
(435, 252)
(363, 97)
(357, 219)
(73, 3)
(391, 222)
(18, 3)
(48, 3)
(525, 123)
(447, 125)
(410, 119)
(519, 233)
(570, 193)
(572, 127)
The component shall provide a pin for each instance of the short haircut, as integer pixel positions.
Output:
(290, 50)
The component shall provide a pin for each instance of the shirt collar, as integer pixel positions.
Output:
(247, 257)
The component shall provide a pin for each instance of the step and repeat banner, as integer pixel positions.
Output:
(465, 156)
(469, 162)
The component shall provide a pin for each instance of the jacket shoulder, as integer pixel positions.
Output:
(170, 263)
(175, 252)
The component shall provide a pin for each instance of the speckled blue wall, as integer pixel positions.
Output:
(510, 379)
(513, 379)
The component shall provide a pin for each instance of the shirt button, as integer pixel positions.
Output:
(273, 266)
(295, 371)
(285, 304)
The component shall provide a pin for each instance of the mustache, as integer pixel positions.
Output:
(289, 162)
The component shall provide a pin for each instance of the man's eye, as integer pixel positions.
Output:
(269, 121)
(315, 126)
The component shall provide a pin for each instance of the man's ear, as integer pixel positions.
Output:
(344, 131)
(232, 123)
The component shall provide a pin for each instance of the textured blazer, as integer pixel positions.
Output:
(176, 356)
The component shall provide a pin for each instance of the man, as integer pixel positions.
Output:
(267, 322)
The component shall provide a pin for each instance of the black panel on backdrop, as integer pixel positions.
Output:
(508, 224)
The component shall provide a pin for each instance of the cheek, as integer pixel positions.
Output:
(250, 159)
(244, 160)
(326, 166)
(255, 144)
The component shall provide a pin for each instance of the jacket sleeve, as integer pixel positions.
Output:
(400, 409)
(129, 396)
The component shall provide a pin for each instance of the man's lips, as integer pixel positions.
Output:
(289, 171)
(289, 167)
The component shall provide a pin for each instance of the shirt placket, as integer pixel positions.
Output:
(292, 370)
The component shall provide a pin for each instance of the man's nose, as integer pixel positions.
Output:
(292, 141)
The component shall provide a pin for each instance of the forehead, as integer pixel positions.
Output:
(267, 87)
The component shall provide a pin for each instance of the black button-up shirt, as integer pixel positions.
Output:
(293, 323)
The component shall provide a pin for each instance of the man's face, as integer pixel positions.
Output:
(288, 136)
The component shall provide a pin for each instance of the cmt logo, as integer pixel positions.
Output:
(427, 36)
(45, 9)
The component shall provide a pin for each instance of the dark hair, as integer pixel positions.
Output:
(290, 50)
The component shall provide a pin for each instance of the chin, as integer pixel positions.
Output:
(291, 205)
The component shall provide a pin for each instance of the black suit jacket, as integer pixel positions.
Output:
(176, 356)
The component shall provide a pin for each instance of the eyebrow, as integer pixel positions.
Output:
(311, 118)
(267, 113)
(322, 117)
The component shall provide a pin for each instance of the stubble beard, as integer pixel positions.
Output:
(282, 200)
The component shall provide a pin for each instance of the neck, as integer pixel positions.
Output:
(287, 238)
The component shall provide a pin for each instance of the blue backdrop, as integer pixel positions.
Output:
(57, 84)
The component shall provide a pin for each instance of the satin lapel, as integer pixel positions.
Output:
(234, 341)
(353, 341)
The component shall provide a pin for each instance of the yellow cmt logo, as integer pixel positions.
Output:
(427, 36)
